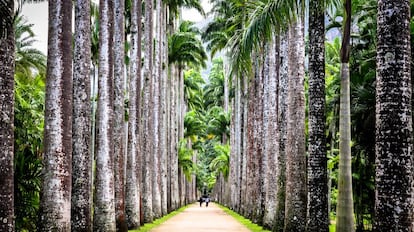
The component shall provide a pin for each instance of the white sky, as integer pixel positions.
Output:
(37, 14)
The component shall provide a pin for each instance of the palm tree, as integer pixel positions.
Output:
(7, 46)
(81, 215)
(29, 60)
(318, 219)
(104, 205)
(55, 198)
(132, 188)
(147, 107)
(119, 132)
(394, 139)
(345, 209)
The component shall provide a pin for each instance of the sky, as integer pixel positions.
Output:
(37, 14)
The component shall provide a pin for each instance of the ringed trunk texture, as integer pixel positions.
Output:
(345, 206)
(55, 199)
(394, 141)
(82, 153)
(7, 48)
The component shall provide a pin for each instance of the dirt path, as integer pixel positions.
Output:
(201, 219)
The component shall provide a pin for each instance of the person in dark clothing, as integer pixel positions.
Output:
(201, 201)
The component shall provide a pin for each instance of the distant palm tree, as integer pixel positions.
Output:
(7, 46)
(28, 59)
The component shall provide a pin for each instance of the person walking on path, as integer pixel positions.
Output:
(207, 201)
(201, 201)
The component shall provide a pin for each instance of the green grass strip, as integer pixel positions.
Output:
(149, 226)
(246, 222)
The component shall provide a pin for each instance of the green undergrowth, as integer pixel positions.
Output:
(246, 222)
(149, 226)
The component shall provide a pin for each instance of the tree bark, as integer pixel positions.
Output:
(119, 114)
(55, 197)
(104, 199)
(81, 139)
(271, 132)
(132, 188)
(7, 47)
(318, 218)
(296, 201)
(147, 133)
(394, 141)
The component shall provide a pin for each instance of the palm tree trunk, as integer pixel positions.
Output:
(104, 205)
(394, 138)
(345, 206)
(7, 46)
(119, 114)
(132, 188)
(279, 221)
(318, 219)
(271, 132)
(147, 133)
(163, 109)
(296, 197)
(57, 170)
(82, 155)
(156, 170)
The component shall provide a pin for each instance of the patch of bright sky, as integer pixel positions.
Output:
(37, 14)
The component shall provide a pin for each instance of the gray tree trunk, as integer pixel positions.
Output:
(394, 138)
(296, 201)
(7, 46)
(164, 109)
(318, 218)
(345, 206)
(104, 199)
(132, 188)
(271, 132)
(147, 133)
(55, 197)
(81, 138)
(119, 114)
(156, 170)
(278, 224)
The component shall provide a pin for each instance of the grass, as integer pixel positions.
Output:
(149, 226)
(246, 222)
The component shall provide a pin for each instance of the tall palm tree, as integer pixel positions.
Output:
(119, 132)
(81, 140)
(345, 209)
(147, 109)
(104, 205)
(318, 219)
(132, 188)
(7, 46)
(394, 139)
(55, 202)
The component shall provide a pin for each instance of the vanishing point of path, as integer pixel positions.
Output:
(201, 219)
